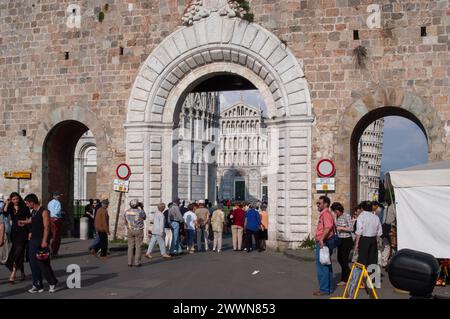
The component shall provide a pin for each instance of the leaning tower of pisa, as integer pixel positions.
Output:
(370, 151)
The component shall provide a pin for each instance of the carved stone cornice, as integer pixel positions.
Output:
(202, 9)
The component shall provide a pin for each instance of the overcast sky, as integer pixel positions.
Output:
(404, 143)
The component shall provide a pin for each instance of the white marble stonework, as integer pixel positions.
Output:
(217, 45)
(242, 151)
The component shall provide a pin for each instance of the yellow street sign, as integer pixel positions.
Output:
(17, 175)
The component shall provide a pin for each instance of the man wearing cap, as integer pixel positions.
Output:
(134, 221)
(176, 221)
(56, 222)
(203, 224)
(102, 228)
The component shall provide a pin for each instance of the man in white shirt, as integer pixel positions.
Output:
(56, 222)
(157, 233)
(367, 230)
(190, 224)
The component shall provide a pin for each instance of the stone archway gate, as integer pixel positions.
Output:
(219, 45)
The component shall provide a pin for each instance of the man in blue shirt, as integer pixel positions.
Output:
(56, 222)
(252, 226)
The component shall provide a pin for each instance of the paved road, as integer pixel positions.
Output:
(201, 275)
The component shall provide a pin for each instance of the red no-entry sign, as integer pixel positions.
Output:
(123, 171)
(325, 168)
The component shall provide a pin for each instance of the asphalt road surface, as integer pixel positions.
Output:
(204, 275)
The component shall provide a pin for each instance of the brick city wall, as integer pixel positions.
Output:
(38, 85)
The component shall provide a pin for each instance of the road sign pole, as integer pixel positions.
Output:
(18, 185)
(117, 216)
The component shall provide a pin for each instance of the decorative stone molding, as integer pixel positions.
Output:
(202, 9)
(217, 45)
(220, 40)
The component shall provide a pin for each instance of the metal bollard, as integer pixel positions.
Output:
(84, 228)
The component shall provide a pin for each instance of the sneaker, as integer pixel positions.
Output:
(34, 290)
(218, 250)
(166, 256)
(214, 249)
(52, 289)
(148, 256)
(342, 283)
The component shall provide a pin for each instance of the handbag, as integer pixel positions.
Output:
(43, 254)
(262, 234)
(334, 241)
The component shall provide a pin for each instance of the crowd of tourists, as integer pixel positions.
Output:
(367, 236)
(184, 227)
(30, 233)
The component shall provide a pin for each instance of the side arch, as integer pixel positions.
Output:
(370, 107)
(55, 118)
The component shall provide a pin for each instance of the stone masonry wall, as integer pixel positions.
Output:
(36, 79)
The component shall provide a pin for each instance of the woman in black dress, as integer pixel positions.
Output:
(17, 210)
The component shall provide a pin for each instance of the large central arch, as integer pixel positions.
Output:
(222, 45)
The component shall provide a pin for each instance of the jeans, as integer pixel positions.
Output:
(102, 244)
(95, 242)
(324, 273)
(40, 268)
(190, 235)
(161, 244)
(175, 246)
(205, 231)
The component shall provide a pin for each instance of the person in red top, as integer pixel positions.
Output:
(237, 230)
(324, 231)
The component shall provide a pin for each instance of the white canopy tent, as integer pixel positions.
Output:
(422, 197)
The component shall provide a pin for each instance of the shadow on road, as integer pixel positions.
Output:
(60, 273)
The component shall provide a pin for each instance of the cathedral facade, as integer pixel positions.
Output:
(242, 153)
